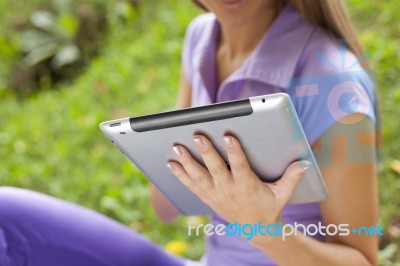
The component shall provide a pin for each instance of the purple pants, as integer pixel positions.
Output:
(38, 230)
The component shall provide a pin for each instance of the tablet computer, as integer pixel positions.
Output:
(266, 126)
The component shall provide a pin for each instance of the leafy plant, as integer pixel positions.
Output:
(53, 37)
(57, 43)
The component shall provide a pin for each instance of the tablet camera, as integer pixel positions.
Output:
(263, 100)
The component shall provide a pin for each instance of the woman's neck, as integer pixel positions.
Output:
(240, 40)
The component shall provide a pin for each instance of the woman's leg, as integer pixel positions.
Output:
(38, 230)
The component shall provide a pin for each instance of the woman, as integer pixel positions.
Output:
(242, 48)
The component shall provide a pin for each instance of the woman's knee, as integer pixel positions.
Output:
(14, 204)
(54, 222)
(9, 196)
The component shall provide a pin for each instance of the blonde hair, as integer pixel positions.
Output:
(331, 15)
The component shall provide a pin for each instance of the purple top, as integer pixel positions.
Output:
(322, 77)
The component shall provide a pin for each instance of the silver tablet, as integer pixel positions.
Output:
(266, 126)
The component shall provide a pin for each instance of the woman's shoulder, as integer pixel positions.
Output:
(200, 34)
(328, 60)
(325, 54)
(329, 83)
(202, 20)
(201, 25)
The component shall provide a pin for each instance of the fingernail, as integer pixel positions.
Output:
(170, 167)
(198, 140)
(305, 164)
(228, 141)
(177, 150)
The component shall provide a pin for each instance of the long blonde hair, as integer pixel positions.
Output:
(331, 15)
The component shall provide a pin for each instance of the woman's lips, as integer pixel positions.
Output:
(231, 4)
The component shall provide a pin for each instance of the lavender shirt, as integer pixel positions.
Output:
(322, 77)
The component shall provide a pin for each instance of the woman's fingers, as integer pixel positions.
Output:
(193, 169)
(239, 164)
(187, 181)
(213, 161)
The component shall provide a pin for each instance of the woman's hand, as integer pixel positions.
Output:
(238, 194)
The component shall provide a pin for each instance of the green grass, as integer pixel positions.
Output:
(51, 142)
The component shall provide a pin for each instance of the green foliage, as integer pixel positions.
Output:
(53, 37)
(54, 44)
(51, 142)
(379, 34)
(378, 26)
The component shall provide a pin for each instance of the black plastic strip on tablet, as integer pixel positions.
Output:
(191, 116)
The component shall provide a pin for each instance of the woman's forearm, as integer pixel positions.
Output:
(164, 209)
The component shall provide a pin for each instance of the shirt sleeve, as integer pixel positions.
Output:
(192, 35)
(329, 86)
(186, 53)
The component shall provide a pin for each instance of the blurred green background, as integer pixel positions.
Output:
(65, 66)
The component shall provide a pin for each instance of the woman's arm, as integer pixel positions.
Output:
(164, 209)
(346, 155)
